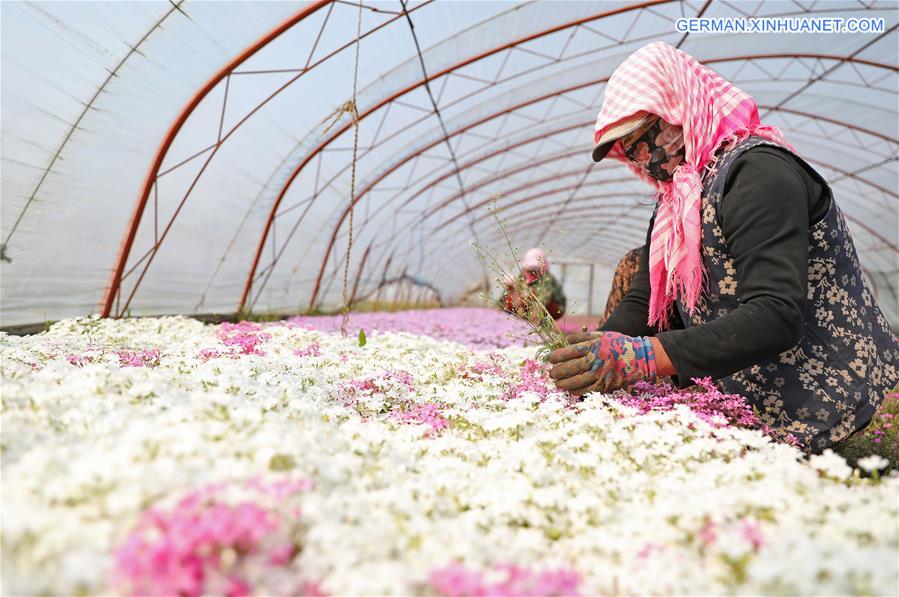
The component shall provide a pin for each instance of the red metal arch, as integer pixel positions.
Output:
(117, 276)
(587, 123)
(573, 172)
(88, 106)
(856, 221)
(394, 96)
(625, 241)
(621, 240)
(581, 125)
(576, 171)
(167, 141)
(113, 290)
(541, 98)
(598, 81)
(590, 214)
(849, 217)
(543, 135)
(573, 88)
(770, 108)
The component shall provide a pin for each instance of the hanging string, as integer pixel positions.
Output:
(347, 108)
(350, 108)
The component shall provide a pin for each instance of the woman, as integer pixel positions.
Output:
(748, 274)
(536, 280)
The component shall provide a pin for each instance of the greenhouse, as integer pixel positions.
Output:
(449, 297)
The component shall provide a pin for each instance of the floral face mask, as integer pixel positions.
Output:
(658, 150)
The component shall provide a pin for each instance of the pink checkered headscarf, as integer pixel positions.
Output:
(662, 80)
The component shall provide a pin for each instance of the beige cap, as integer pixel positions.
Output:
(616, 131)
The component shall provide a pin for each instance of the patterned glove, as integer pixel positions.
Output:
(602, 362)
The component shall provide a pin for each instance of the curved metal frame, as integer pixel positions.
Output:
(114, 289)
(368, 111)
(167, 141)
(544, 97)
(472, 125)
(88, 106)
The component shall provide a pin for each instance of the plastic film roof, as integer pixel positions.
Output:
(191, 157)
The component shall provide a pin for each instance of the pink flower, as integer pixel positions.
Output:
(455, 580)
(313, 350)
(707, 533)
(396, 386)
(237, 588)
(209, 353)
(141, 358)
(79, 360)
(479, 370)
(709, 403)
(244, 338)
(426, 413)
(390, 381)
(752, 532)
(647, 550)
(282, 555)
(241, 326)
(202, 543)
(533, 377)
(311, 589)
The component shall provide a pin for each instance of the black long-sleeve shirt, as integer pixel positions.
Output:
(770, 201)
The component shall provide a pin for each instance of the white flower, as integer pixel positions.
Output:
(830, 464)
(874, 462)
(618, 497)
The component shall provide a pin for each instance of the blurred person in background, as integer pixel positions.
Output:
(536, 280)
(748, 274)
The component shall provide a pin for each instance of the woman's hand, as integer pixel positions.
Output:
(602, 362)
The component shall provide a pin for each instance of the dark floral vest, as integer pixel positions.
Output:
(830, 384)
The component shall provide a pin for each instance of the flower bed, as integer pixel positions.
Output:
(162, 456)
(477, 328)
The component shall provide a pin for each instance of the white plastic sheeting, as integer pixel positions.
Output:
(517, 87)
